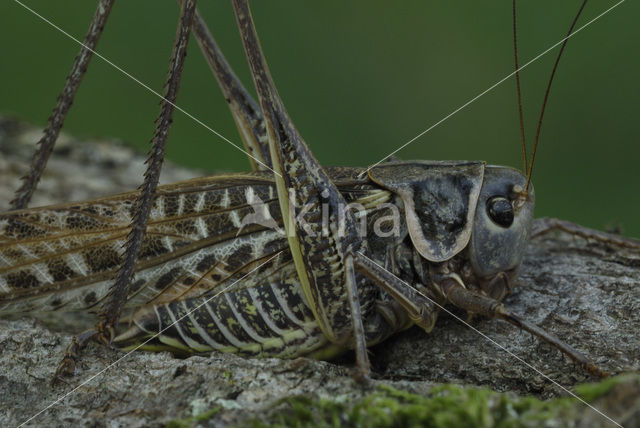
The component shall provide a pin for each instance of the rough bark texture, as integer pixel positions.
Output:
(584, 292)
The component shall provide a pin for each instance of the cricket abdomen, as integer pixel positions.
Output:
(268, 318)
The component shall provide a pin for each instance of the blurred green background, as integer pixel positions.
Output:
(360, 79)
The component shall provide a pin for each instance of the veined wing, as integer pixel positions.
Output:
(64, 257)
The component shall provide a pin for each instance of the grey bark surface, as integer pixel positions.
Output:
(584, 292)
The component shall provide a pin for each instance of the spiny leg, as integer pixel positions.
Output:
(105, 331)
(324, 263)
(65, 99)
(246, 112)
(546, 225)
(111, 312)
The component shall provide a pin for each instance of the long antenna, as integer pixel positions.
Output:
(546, 94)
(515, 55)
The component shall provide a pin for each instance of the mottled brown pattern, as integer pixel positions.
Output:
(168, 278)
(152, 246)
(90, 298)
(240, 257)
(206, 263)
(18, 228)
(170, 205)
(101, 259)
(185, 227)
(22, 279)
(77, 221)
(14, 255)
(59, 270)
(189, 204)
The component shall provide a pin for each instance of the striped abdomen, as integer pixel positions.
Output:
(265, 314)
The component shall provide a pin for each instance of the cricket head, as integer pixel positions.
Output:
(464, 217)
(501, 227)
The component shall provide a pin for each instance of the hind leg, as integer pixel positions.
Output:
(65, 99)
(104, 332)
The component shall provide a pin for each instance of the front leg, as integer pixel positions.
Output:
(322, 249)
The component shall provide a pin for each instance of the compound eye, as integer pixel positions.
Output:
(500, 210)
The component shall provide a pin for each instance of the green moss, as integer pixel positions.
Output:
(193, 420)
(591, 391)
(444, 406)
